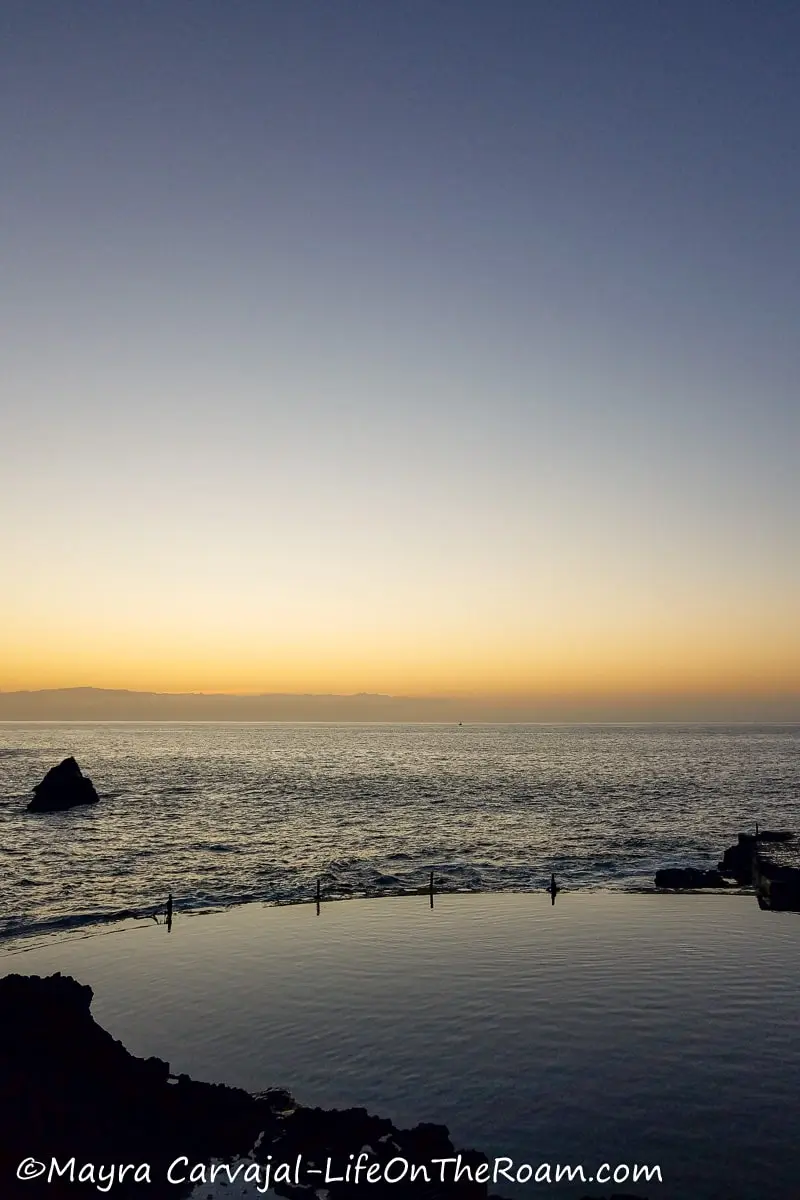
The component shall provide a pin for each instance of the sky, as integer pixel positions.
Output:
(439, 347)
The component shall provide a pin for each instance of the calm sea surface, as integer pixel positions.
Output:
(220, 814)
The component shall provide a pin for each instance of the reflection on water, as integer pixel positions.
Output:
(606, 1028)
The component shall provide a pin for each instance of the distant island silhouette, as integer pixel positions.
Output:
(117, 704)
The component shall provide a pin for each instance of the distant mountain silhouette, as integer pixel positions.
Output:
(106, 704)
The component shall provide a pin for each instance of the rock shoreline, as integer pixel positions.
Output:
(767, 861)
(69, 1090)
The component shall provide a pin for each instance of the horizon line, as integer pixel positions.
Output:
(455, 697)
(705, 724)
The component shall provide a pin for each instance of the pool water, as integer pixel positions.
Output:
(609, 1028)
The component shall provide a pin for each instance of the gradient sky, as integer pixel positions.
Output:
(418, 347)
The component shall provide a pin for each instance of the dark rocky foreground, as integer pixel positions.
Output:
(63, 787)
(70, 1092)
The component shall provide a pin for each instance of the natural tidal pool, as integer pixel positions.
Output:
(610, 1028)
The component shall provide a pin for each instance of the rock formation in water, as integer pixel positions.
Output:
(737, 861)
(63, 787)
(749, 864)
(776, 874)
(688, 877)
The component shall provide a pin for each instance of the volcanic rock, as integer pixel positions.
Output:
(737, 861)
(69, 1091)
(63, 787)
(688, 877)
(776, 876)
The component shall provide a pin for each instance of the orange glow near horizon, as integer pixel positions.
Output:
(507, 665)
(495, 624)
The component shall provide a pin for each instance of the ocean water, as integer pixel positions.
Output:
(225, 813)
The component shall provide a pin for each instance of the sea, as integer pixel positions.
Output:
(223, 814)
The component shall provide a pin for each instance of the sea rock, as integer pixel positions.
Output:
(776, 876)
(688, 877)
(69, 1091)
(63, 787)
(737, 861)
